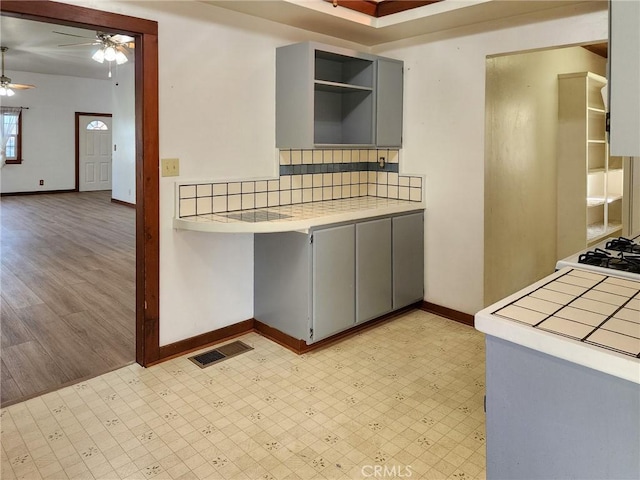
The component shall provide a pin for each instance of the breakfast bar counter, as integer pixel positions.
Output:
(300, 217)
(587, 318)
(563, 378)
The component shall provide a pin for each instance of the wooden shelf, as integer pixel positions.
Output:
(596, 232)
(339, 87)
(598, 201)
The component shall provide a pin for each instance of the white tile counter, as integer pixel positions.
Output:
(583, 317)
(298, 217)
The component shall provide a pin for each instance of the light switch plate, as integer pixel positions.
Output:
(170, 167)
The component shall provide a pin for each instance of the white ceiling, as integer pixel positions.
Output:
(34, 47)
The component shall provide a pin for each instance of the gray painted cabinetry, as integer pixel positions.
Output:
(408, 259)
(311, 286)
(329, 96)
(373, 269)
(548, 418)
(333, 280)
(624, 74)
(389, 102)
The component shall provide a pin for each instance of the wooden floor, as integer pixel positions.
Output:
(67, 290)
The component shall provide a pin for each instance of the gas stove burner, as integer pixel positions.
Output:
(625, 263)
(621, 262)
(622, 244)
(597, 257)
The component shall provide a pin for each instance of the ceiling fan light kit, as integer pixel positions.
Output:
(121, 58)
(6, 91)
(112, 48)
(109, 54)
(6, 87)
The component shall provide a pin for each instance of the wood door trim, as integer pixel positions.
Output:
(145, 33)
(77, 146)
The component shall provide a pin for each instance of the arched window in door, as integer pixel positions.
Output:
(97, 125)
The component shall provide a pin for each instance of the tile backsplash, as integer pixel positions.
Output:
(306, 176)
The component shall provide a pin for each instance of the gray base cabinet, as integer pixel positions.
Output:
(408, 259)
(333, 279)
(282, 282)
(548, 418)
(312, 286)
(373, 269)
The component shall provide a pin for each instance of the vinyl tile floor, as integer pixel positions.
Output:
(403, 399)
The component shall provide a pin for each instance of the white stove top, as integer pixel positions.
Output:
(572, 260)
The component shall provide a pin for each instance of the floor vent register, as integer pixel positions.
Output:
(220, 353)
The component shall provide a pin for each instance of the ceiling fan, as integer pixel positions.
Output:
(6, 87)
(111, 47)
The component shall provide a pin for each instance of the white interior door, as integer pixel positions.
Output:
(95, 153)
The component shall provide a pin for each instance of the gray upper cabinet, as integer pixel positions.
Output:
(389, 102)
(624, 78)
(334, 97)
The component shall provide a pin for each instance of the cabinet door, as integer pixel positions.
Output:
(333, 280)
(373, 269)
(294, 96)
(389, 103)
(624, 93)
(408, 259)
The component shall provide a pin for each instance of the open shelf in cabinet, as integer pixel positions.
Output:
(332, 96)
(343, 99)
(350, 70)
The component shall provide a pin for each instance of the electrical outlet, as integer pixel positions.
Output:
(41, 182)
(170, 167)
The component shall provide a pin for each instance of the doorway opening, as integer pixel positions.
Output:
(524, 187)
(145, 33)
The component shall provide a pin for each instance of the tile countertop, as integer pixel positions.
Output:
(299, 217)
(587, 318)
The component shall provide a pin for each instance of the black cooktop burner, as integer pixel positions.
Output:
(602, 258)
(622, 244)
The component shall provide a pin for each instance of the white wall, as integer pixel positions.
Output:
(48, 142)
(123, 171)
(217, 115)
(444, 122)
(217, 107)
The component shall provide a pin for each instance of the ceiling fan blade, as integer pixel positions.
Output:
(79, 44)
(20, 86)
(71, 34)
(122, 38)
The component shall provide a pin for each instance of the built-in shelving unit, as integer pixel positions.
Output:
(589, 181)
